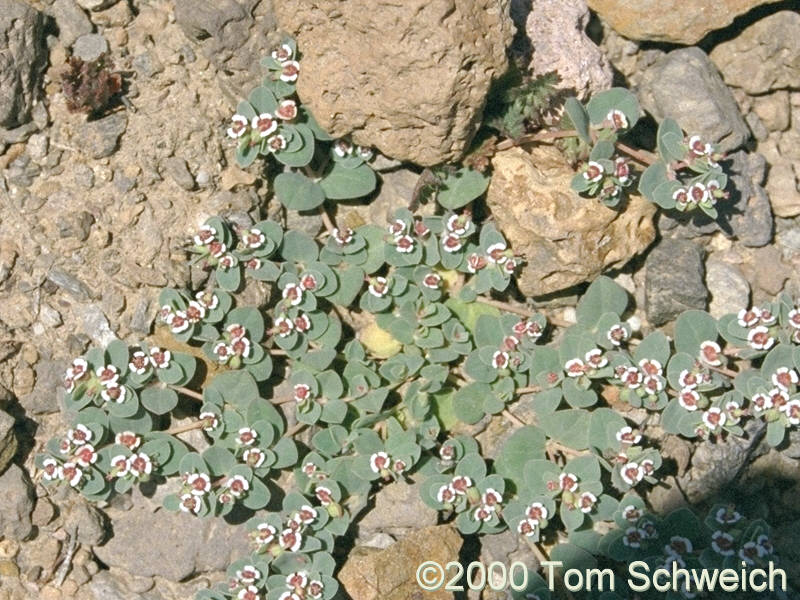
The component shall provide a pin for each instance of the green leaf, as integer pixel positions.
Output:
(263, 100)
(573, 557)
(117, 351)
(776, 431)
(341, 183)
(461, 188)
(158, 401)
(669, 140)
(602, 296)
(302, 156)
(579, 117)
(692, 328)
(298, 192)
(249, 318)
(229, 279)
(655, 347)
(236, 387)
(524, 444)
(570, 426)
(653, 176)
(219, 460)
(616, 98)
(603, 150)
(468, 402)
(664, 194)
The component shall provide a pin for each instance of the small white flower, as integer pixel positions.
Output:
(688, 399)
(650, 367)
(228, 261)
(298, 579)
(451, 242)
(527, 527)
(574, 367)
(537, 511)
(792, 411)
(632, 473)
(622, 170)
(160, 358)
(287, 110)
(302, 393)
(283, 53)
(710, 353)
(237, 485)
(748, 318)
(266, 533)
(794, 318)
(714, 418)
(496, 253)
(302, 323)
(140, 362)
(596, 359)
(342, 148)
(324, 495)
(458, 224)
(241, 347)
(586, 502)
(626, 435)
(483, 513)
(784, 378)
(178, 321)
(85, 455)
(120, 465)
(71, 473)
(265, 124)
(238, 126)
(568, 482)
(205, 235)
(633, 537)
(115, 393)
(211, 421)
(276, 143)
(50, 469)
(342, 236)
(631, 513)
(290, 71)
(632, 378)
(140, 465)
(722, 543)
(761, 402)
(246, 437)
(404, 244)
(284, 326)
(460, 483)
(500, 359)
(222, 352)
(617, 334)
(617, 119)
(307, 514)
(432, 281)
(200, 483)
(687, 379)
(290, 540)
(759, 338)
(378, 286)
(254, 239)
(491, 497)
(108, 375)
(379, 461)
(697, 193)
(594, 172)
(80, 435)
(249, 593)
(254, 457)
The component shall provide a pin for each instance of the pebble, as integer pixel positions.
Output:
(71, 20)
(178, 171)
(70, 284)
(96, 326)
(90, 47)
(729, 290)
(38, 145)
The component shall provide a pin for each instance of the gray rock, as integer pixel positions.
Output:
(557, 33)
(37, 147)
(71, 20)
(69, 283)
(398, 508)
(18, 134)
(83, 175)
(729, 290)
(8, 440)
(23, 58)
(674, 276)
(100, 138)
(171, 545)
(16, 503)
(49, 387)
(686, 86)
(233, 34)
(142, 318)
(95, 325)
(750, 211)
(90, 47)
(178, 171)
(88, 523)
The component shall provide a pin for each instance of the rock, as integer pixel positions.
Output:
(666, 496)
(8, 440)
(686, 86)
(729, 290)
(769, 272)
(412, 77)
(748, 211)
(71, 20)
(178, 171)
(398, 506)
(16, 503)
(96, 326)
(774, 110)
(756, 126)
(234, 35)
(96, 4)
(566, 239)
(674, 276)
(557, 32)
(764, 56)
(23, 58)
(69, 283)
(99, 138)
(88, 523)
(170, 545)
(390, 574)
(783, 190)
(89, 47)
(44, 398)
(674, 21)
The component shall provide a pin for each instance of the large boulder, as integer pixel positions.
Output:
(765, 56)
(676, 21)
(23, 57)
(409, 78)
(686, 86)
(566, 239)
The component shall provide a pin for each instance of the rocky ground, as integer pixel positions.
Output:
(94, 215)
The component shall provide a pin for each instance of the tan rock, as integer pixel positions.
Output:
(782, 189)
(773, 110)
(763, 57)
(409, 78)
(670, 20)
(390, 574)
(566, 239)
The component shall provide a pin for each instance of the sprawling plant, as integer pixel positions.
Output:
(432, 350)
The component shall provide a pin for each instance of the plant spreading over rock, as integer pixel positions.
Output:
(436, 351)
